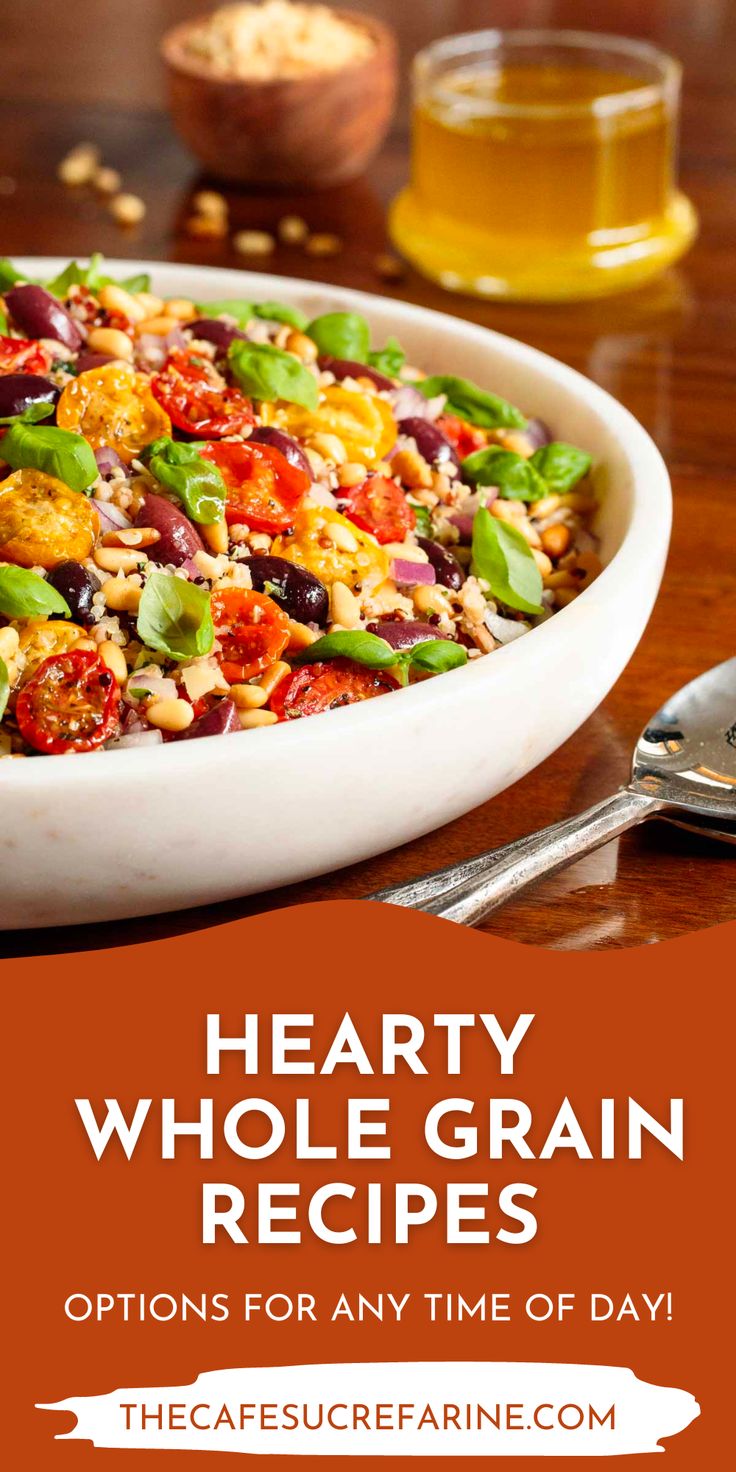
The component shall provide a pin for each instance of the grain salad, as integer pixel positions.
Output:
(216, 517)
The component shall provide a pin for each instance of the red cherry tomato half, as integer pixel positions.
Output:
(19, 356)
(195, 404)
(327, 685)
(379, 506)
(69, 704)
(465, 437)
(252, 630)
(263, 489)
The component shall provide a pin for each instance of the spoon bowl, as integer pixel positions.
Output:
(684, 770)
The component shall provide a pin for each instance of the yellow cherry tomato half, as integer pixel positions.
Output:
(44, 638)
(363, 422)
(334, 549)
(113, 405)
(42, 522)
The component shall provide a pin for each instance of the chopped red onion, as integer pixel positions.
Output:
(150, 737)
(153, 349)
(412, 573)
(505, 630)
(321, 495)
(159, 685)
(112, 519)
(189, 566)
(408, 403)
(108, 459)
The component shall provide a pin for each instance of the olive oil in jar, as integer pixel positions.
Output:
(542, 175)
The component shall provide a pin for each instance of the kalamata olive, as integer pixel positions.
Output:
(220, 334)
(538, 433)
(403, 635)
(266, 434)
(87, 361)
(179, 540)
(37, 313)
(78, 587)
(220, 721)
(431, 443)
(446, 567)
(346, 368)
(297, 591)
(18, 390)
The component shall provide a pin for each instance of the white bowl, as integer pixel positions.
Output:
(140, 831)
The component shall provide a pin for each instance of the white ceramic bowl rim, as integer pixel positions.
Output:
(177, 758)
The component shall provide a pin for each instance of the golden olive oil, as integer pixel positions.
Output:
(541, 179)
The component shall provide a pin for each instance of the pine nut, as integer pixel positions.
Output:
(127, 209)
(158, 326)
(405, 551)
(530, 534)
(152, 305)
(590, 564)
(180, 308)
(329, 447)
(302, 347)
(344, 606)
(248, 697)
(323, 245)
(199, 680)
(300, 636)
(257, 541)
(341, 537)
(545, 507)
(505, 510)
(110, 340)
(119, 559)
(112, 656)
(431, 600)
(563, 596)
(412, 470)
(122, 596)
(9, 641)
(250, 720)
(206, 227)
(292, 230)
(132, 536)
(170, 715)
(216, 536)
(116, 299)
(209, 202)
(351, 474)
(560, 580)
(388, 267)
(543, 562)
(578, 501)
(274, 676)
(516, 440)
(253, 243)
(556, 539)
(107, 181)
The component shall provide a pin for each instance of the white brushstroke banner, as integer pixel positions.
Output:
(453, 1409)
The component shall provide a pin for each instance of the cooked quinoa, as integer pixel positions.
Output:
(277, 39)
(216, 517)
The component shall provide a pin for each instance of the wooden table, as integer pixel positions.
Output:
(667, 351)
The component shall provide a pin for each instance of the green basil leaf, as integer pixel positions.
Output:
(472, 403)
(175, 617)
(3, 323)
(423, 519)
(504, 559)
(438, 655)
(517, 479)
(8, 274)
(4, 687)
(240, 311)
(23, 594)
(389, 359)
(197, 482)
(141, 282)
(356, 644)
(266, 373)
(280, 312)
(30, 415)
(341, 335)
(58, 452)
(562, 466)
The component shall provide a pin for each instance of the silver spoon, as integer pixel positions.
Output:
(684, 770)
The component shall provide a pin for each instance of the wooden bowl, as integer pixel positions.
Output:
(304, 132)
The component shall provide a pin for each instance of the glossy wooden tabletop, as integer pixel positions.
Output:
(90, 70)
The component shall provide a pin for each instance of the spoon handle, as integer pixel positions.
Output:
(466, 892)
